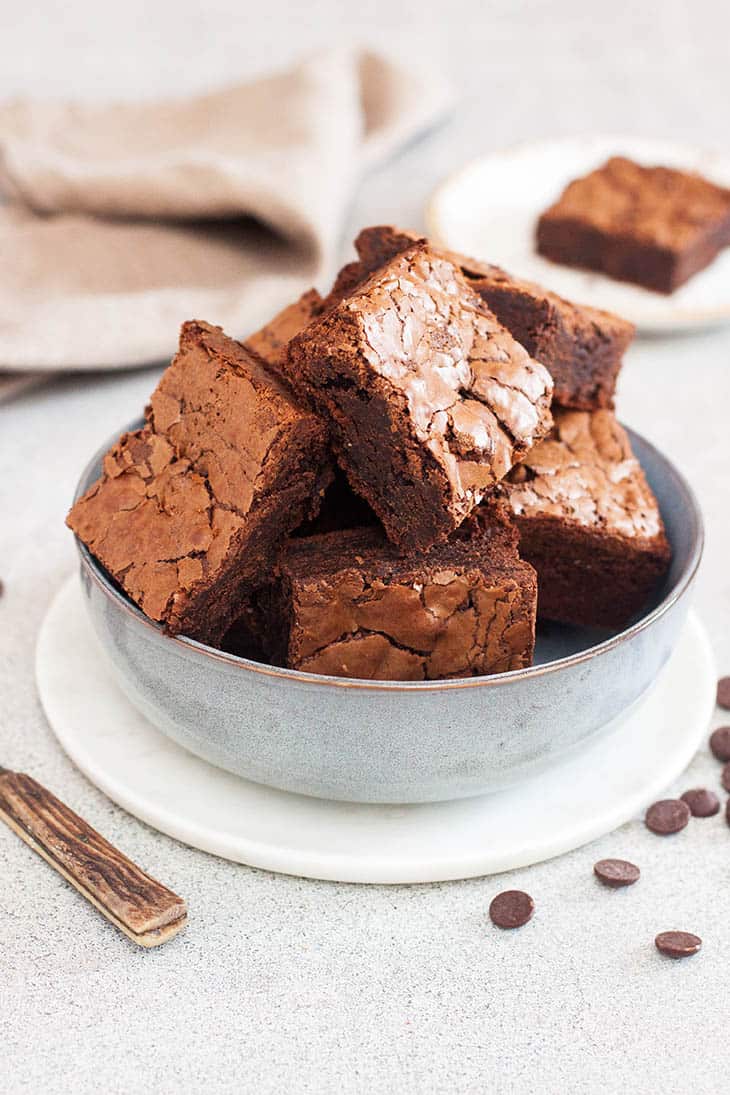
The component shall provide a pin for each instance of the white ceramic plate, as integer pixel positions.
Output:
(589, 793)
(490, 208)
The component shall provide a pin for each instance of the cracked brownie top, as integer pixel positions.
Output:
(414, 367)
(189, 511)
(152, 520)
(358, 609)
(581, 346)
(585, 472)
(224, 411)
(473, 393)
(377, 244)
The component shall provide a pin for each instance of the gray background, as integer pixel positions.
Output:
(286, 985)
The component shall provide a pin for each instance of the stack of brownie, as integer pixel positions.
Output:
(388, 482)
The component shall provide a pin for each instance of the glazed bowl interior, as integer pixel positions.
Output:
(400, 741)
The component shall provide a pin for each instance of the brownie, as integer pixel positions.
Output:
(341, 508)
(588, 522)
(351, 276)
(654, 226)
(381, 242)
(189, 512)
(582, 347)
(430, 400)
(271, 341)
(348, 605)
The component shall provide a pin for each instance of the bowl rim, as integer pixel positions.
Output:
(191, 646)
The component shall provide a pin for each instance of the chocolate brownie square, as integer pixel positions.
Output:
(588, 522)
(348, 605)
(430, 400)
(581, 347)
(189, 512)
(272, 340)
(654, 226)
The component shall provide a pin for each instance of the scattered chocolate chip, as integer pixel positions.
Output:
(678, 944)
(725, 777)
(616, 872)
(727, 811)
(701, 802)
(720, 742)
(669, 815)
(511, 909)
(723, 693)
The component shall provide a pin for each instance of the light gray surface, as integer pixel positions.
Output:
(283, 985)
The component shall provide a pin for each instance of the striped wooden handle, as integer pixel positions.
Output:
(145, 910)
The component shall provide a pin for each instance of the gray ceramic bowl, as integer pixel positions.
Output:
(399, 742)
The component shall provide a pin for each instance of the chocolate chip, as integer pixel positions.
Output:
(701, 802)
(727, 811)
(678, 944)
(669, 815)
(511, 909)
(616, 872)
(725, 777)
(723, 693)
(720, 742)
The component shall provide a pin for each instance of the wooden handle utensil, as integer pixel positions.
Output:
(145, 910)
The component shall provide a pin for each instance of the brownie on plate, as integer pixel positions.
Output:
(588, 522)
(347, 604)
(654, 226)
(430, 400)
(189, 512)
(581, 347)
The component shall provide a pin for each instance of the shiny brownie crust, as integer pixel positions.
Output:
(430, 400)
(350, 605)
(190, 511)
(588, 522)
(582, 347)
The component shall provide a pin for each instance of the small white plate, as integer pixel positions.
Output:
(588, 794)
(489, 210)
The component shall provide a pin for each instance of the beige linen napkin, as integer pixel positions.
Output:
(123, 220)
